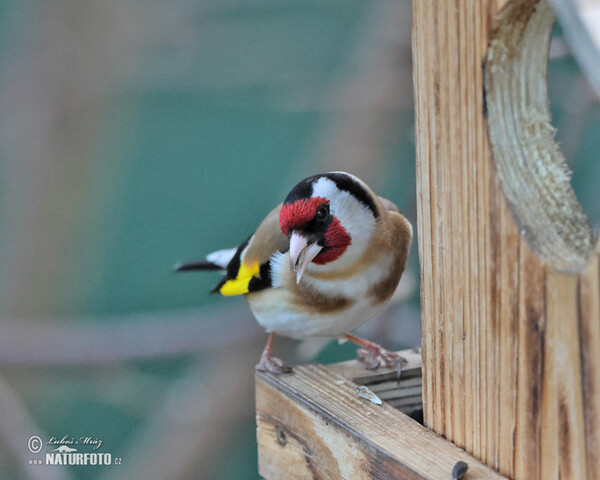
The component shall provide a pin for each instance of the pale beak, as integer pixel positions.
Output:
(301, 254)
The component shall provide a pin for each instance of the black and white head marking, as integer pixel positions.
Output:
(351, 203)
(343, 181)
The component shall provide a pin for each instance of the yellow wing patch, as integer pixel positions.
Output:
(239, 284)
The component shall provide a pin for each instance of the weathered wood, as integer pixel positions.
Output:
(406, 395)
(312, 424)
(589, 291)
(533, 172)
(511, 362)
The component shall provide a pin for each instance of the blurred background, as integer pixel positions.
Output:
(138, 133)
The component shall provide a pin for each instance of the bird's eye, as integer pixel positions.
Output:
(322, 213)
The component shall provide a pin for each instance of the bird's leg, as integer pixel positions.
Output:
(375, 355)
(271, 364)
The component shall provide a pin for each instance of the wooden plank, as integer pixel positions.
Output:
(563, 306)
(406, 395)
(456, 192)
(589, 301)
(312, 425)
(532, 320)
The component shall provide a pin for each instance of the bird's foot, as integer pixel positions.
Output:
(380, 357)
(375, 356)
(272, 364)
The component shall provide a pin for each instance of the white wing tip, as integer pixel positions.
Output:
(221, 257)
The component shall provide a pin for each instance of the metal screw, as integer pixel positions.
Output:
(459, 470)
(280, 436)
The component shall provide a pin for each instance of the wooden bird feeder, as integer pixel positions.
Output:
(510, 285)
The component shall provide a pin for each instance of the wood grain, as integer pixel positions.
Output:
(589, 293)
(313, 425)
(406, 395)
(534, 174)
(511, 346)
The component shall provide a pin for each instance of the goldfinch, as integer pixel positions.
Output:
(319, 265)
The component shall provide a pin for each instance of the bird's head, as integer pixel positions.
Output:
(330, 220)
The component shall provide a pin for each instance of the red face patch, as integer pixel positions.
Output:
(299, 213)
(337, 240)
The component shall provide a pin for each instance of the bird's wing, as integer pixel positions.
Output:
(249, 269)
(388, 204)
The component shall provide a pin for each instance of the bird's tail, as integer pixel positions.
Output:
(218, 260)
(198, 265)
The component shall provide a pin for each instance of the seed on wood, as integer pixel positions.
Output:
(364, 392)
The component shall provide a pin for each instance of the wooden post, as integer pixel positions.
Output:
(510, 278)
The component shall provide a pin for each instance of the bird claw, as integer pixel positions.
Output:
(380, 357)
(273, 365)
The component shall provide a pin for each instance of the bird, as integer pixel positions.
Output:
(320, 264)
